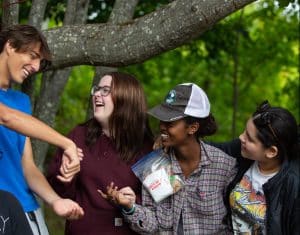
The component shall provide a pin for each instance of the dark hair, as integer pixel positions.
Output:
(276, 126)
(128, 123)
(21, 37)
(207, 126)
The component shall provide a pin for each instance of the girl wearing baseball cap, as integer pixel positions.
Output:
(197, 208)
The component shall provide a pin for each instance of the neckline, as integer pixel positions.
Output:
(267, 175)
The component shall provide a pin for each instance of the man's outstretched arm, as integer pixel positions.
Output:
(32, 127)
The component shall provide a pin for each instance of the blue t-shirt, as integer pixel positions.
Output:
(11, 151)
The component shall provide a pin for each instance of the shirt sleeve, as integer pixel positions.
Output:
(143, 220)
(231, 173)
(24, 105)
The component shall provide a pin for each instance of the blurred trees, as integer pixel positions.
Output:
(249, 56)
(239, 62)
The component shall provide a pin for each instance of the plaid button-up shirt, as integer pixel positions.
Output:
(200, 202)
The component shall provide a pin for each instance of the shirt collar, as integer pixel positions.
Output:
(203, 162)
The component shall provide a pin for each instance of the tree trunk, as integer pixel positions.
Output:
(10, 13)
(54, 83)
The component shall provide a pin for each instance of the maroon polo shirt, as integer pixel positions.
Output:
(100, 166)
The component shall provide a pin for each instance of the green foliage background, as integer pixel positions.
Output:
(257, 47)
(266, 43)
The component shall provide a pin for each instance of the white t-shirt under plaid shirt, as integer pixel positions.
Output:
(200, 202)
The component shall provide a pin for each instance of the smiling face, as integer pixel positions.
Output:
(176, 133)
(21, 64)
(103, 106)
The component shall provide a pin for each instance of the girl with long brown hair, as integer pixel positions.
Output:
(113, 140)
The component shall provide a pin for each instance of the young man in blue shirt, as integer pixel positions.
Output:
(23, 51)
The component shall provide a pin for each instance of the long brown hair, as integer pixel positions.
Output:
(128, 123)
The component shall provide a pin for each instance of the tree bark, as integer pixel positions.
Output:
(135, 41)
(10, 13)
(36, 16)
(46, 107)
(37, 12)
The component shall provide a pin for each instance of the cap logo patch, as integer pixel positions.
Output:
(171, 97)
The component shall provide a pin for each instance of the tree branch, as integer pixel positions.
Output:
(140, 39)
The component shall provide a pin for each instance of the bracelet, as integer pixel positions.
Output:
(128, 212)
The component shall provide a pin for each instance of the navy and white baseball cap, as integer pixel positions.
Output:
(186, 99)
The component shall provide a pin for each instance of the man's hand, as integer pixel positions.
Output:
(70, 165)
(67, 208)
